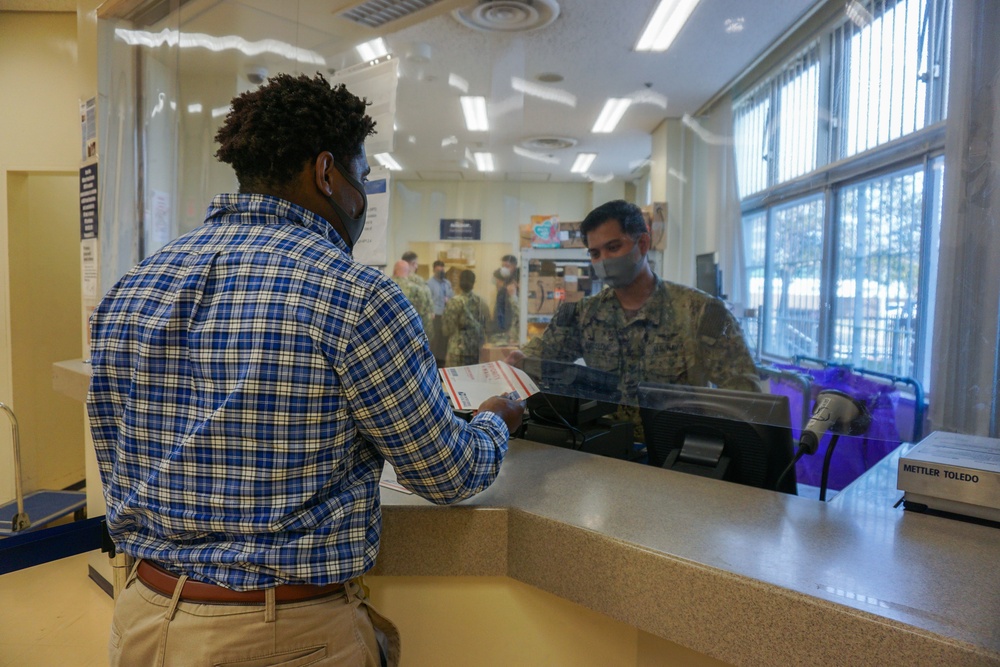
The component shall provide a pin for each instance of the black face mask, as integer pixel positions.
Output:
(353, 226)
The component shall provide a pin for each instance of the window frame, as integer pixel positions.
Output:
(836, 172)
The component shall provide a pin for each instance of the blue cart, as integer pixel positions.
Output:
(44, 506)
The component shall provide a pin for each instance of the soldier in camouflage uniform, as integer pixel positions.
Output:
(465, 319)
(510, 331)
(643, 329)
(419, 295)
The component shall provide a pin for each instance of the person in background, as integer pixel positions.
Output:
(410, 257)
(508, 267)
(418, 296)
(505, 311)
(250, 380)
(441, 293)
(643, 328)
(465, 319)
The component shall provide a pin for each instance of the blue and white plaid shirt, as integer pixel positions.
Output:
(248, 381)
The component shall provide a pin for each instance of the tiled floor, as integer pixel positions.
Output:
(53, 615)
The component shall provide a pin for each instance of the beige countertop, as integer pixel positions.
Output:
(743, 575)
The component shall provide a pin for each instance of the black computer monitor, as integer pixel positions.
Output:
(738, 436)
(571, 392)
(708, 276)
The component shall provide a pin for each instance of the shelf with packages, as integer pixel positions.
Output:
(549, 278)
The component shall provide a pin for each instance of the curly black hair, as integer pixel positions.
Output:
(272, 132)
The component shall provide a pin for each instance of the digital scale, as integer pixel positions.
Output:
(955, 473)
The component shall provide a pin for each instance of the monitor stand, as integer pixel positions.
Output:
(700, 455)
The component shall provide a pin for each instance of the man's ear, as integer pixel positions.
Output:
(324, 173)
(645, 242)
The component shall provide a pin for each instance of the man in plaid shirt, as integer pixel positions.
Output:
(250, 379)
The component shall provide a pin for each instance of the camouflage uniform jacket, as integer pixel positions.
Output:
(419, 296)
(679, 336)
(464, 323)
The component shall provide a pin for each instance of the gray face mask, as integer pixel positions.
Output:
(620, 271)
(354, 226)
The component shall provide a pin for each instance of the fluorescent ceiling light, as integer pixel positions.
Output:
(612, 112)
(186, 40)
(665, 24)
(195, 108)
(474, 109)
(547, 93)
(455, 81)
(218, 112)
(583, 162)
(387, 161)
(372, 50)
(534, 155)
(484, 161)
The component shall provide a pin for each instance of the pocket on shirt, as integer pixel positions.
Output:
(601, 353)
(665, 363)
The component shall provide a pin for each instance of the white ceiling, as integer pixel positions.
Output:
(590, 45)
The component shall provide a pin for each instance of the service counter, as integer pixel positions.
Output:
(735, 574)
(740, 574)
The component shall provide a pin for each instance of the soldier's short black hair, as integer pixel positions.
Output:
(437, 263)
(271, 133)
(628, 215)
(467, 280)
(510, 259)
(409, 256)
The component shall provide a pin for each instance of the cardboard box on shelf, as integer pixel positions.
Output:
(544, 231)
(525, 236)
(545, 293)
(570, 235)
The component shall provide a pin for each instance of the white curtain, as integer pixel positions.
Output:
(964, 369)
(717, 194)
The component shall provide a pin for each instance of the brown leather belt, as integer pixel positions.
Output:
(163, 582)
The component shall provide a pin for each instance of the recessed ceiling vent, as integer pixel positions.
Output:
(543, 144)
(508, 15)
(376, 13)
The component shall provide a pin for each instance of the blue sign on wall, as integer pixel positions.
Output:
(460, 230)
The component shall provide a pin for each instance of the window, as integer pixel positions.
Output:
(777, 125)
(792, 301)
(875, 312)
(838, 234)
(889, 84)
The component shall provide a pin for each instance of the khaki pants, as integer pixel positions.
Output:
(151, 629)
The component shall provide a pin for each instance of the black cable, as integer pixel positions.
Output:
(562, 420)
(826, 466)
(798, 455)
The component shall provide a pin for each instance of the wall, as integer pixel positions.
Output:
(43, 236)
(40, 132)
(418, 206)
(671, 179)
(445, 621)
